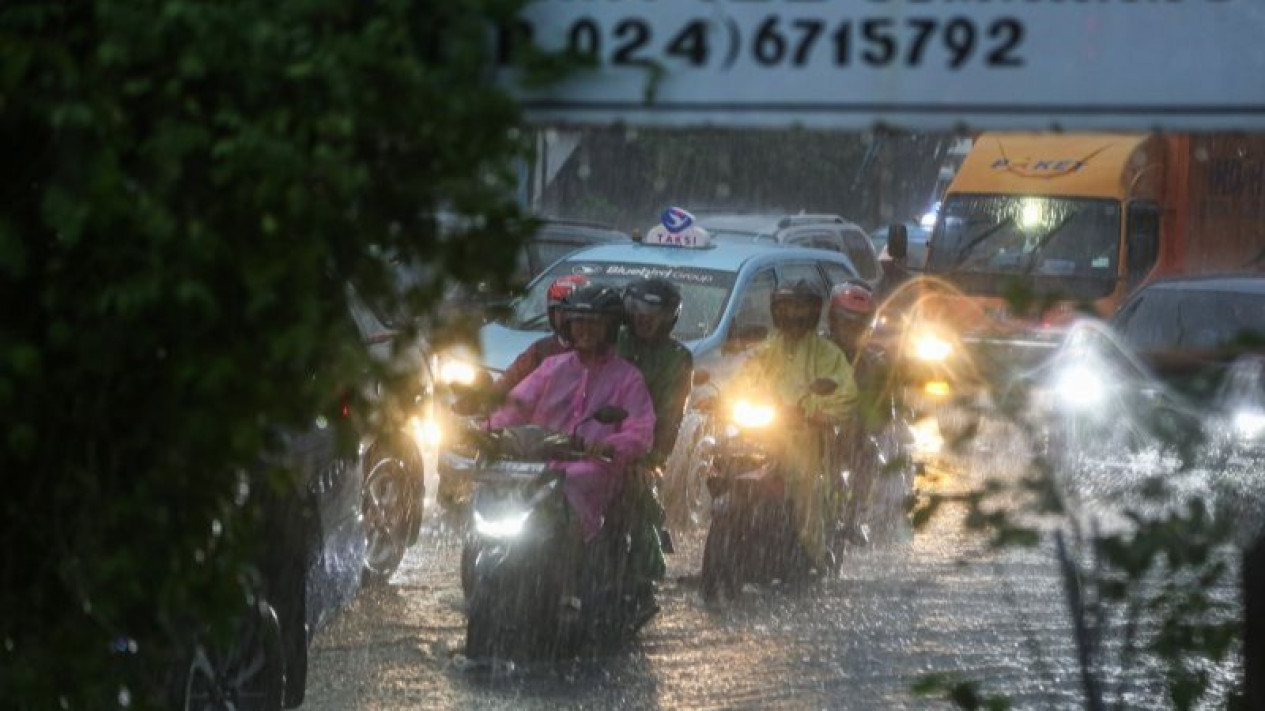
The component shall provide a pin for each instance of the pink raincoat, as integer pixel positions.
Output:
(562, 393)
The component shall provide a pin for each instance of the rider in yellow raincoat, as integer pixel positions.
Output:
(784, 367)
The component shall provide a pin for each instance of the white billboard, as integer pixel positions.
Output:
(919, 64)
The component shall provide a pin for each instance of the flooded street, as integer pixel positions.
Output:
(896, 612)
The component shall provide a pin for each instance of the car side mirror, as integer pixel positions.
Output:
(897, 241)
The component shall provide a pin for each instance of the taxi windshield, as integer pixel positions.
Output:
(704, 293)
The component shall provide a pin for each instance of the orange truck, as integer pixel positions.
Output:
(1036, 228)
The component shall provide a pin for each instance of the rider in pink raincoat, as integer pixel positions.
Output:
(565, 391)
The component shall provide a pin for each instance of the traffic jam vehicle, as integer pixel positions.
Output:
(725, 311)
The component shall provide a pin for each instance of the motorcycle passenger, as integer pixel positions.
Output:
(652, 307)
(787, 364)
(567, 389)
(851, 315)
(550, 345)
(851, 312)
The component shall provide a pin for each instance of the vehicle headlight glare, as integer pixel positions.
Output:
(456, 372)
(509, 526)
(752, 415)
(930, 347)
(426, 432)
(1250, 424)
(1080, 388)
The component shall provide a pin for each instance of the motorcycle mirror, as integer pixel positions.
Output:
(823, 386)
(610, 414)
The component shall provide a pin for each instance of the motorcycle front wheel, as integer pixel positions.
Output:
(386, 508)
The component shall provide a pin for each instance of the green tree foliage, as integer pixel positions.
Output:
(189, 186)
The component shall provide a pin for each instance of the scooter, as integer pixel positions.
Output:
(752, 536)
(520, 557)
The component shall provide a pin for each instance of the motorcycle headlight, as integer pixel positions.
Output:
(426, 432)
(753, 415)
(1250, 424)
(931, 347)
(508, 526)
(457, 372)
(1078, 387)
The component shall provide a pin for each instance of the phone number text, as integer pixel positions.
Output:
(777, 41)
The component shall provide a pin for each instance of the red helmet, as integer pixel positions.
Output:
(563, 286)
(852, 301)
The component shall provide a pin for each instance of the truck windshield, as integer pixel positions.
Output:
(1066, 246)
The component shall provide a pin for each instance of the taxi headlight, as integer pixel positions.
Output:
(931, 347)
(753, 415)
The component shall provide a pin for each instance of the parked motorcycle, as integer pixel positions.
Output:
(752, 536)
(518, 558)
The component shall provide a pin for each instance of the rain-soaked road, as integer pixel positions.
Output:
(858, 641)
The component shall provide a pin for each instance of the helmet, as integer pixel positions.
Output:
(594, 300)
(851, 301)
(558, 291)
(654, 296)
(785, 298)
(564, 285)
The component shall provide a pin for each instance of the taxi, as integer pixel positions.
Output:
(725, 290)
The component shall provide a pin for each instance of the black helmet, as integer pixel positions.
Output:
(802, 292)
(594, 300)
(658, 296)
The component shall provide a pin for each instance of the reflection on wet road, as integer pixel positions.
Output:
(896, 612)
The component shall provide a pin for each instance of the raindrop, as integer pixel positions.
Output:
(722, 190)
(216, 528)
(8, 644)
(243, 490)
(199, 556)
(584, 171)
(660, 184)
(125, 697)
(63, 701)
(321, 422)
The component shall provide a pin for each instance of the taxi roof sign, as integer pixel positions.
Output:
(693, 236)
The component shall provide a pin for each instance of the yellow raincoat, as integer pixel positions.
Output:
(784, 369)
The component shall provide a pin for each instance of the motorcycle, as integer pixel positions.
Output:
(752, 536)
(880, 473)
(392, 502)
(518, 554)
